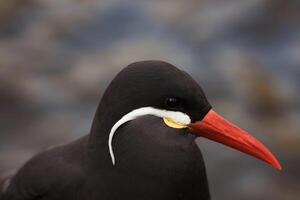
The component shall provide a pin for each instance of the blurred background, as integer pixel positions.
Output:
(58, 56)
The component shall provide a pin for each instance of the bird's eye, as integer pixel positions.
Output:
(172, 103)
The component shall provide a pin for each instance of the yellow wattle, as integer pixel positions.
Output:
(171, 123)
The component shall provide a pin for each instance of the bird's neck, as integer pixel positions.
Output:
(98, 138)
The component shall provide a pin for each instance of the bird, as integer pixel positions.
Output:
(141, 144)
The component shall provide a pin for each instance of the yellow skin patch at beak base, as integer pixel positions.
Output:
(171, 123)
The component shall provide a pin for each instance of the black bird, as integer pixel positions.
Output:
(141, 144)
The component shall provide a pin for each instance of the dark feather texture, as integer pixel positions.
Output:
(154, 161)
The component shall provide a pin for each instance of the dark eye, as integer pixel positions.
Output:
(172, 103)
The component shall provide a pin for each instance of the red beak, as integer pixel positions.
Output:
(216, 128)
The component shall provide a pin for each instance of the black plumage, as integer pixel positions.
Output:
(154, 161)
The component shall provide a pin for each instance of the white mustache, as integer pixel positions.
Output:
(176, 116)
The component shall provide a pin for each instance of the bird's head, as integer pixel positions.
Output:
(154, 109)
